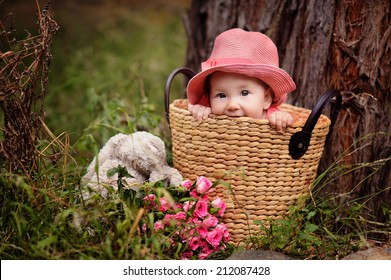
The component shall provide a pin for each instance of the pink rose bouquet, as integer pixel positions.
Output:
(191, 224)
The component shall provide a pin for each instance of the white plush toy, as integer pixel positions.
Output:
(141, 153)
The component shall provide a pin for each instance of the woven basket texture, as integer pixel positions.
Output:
(252, 157)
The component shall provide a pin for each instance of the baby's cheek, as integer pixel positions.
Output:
(214, 108)
(255, 113)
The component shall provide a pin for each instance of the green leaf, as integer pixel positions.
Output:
(311, 214)
(121, 170)
(311, 227)
(47, 241)
(156, 244)
(111, 172)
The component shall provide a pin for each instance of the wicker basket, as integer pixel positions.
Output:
(267, 171)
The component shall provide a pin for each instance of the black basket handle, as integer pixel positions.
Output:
(300, 141)
(189, 73)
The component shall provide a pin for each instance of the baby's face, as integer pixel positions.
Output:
(237, 95)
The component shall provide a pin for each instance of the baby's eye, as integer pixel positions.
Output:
(245, 92)
(220, 95)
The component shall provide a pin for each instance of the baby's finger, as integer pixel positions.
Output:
(285, 121)
(272, 120)
(207, 112)
(194, 110)
(190, 107)
(199, 115)
(279, 125)
(290, 120)
(202, 113)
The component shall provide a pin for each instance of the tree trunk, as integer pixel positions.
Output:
(324, 44)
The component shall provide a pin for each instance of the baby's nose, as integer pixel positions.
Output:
(233, 105)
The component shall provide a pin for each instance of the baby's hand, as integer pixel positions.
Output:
(280, 120)
(199, 112)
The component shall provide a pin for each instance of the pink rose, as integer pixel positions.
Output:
(201, 209)
(206, 250)
(164, 204)
(187, 184)
(203, 184)
(194, 220)
(150, 201)
(188, 205)
(150, 197)
(210, 222)
(158, 226)
(194, 194)
(222, 228)
(167, 219)
(180, 216)
(204, 245)
(214, 237)
(203, 256)
(219, 204)
(187, 233)
(190, 231)
(179, 206)
(186, 255)
(194, 243)
(202, 230)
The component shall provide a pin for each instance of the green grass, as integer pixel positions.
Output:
(117, 63)
(37, 214)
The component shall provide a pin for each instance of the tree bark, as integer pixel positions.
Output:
(323, 44)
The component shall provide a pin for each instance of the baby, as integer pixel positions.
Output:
(241, 78)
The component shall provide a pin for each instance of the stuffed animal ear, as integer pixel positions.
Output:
(157, 144)
(149, 142)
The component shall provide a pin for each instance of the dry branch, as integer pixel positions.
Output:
(24, 68)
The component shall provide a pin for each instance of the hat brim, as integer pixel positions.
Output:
(280, 81)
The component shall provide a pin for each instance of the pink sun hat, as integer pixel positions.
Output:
(243, 52)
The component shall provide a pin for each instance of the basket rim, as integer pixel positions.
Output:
(323, 121)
